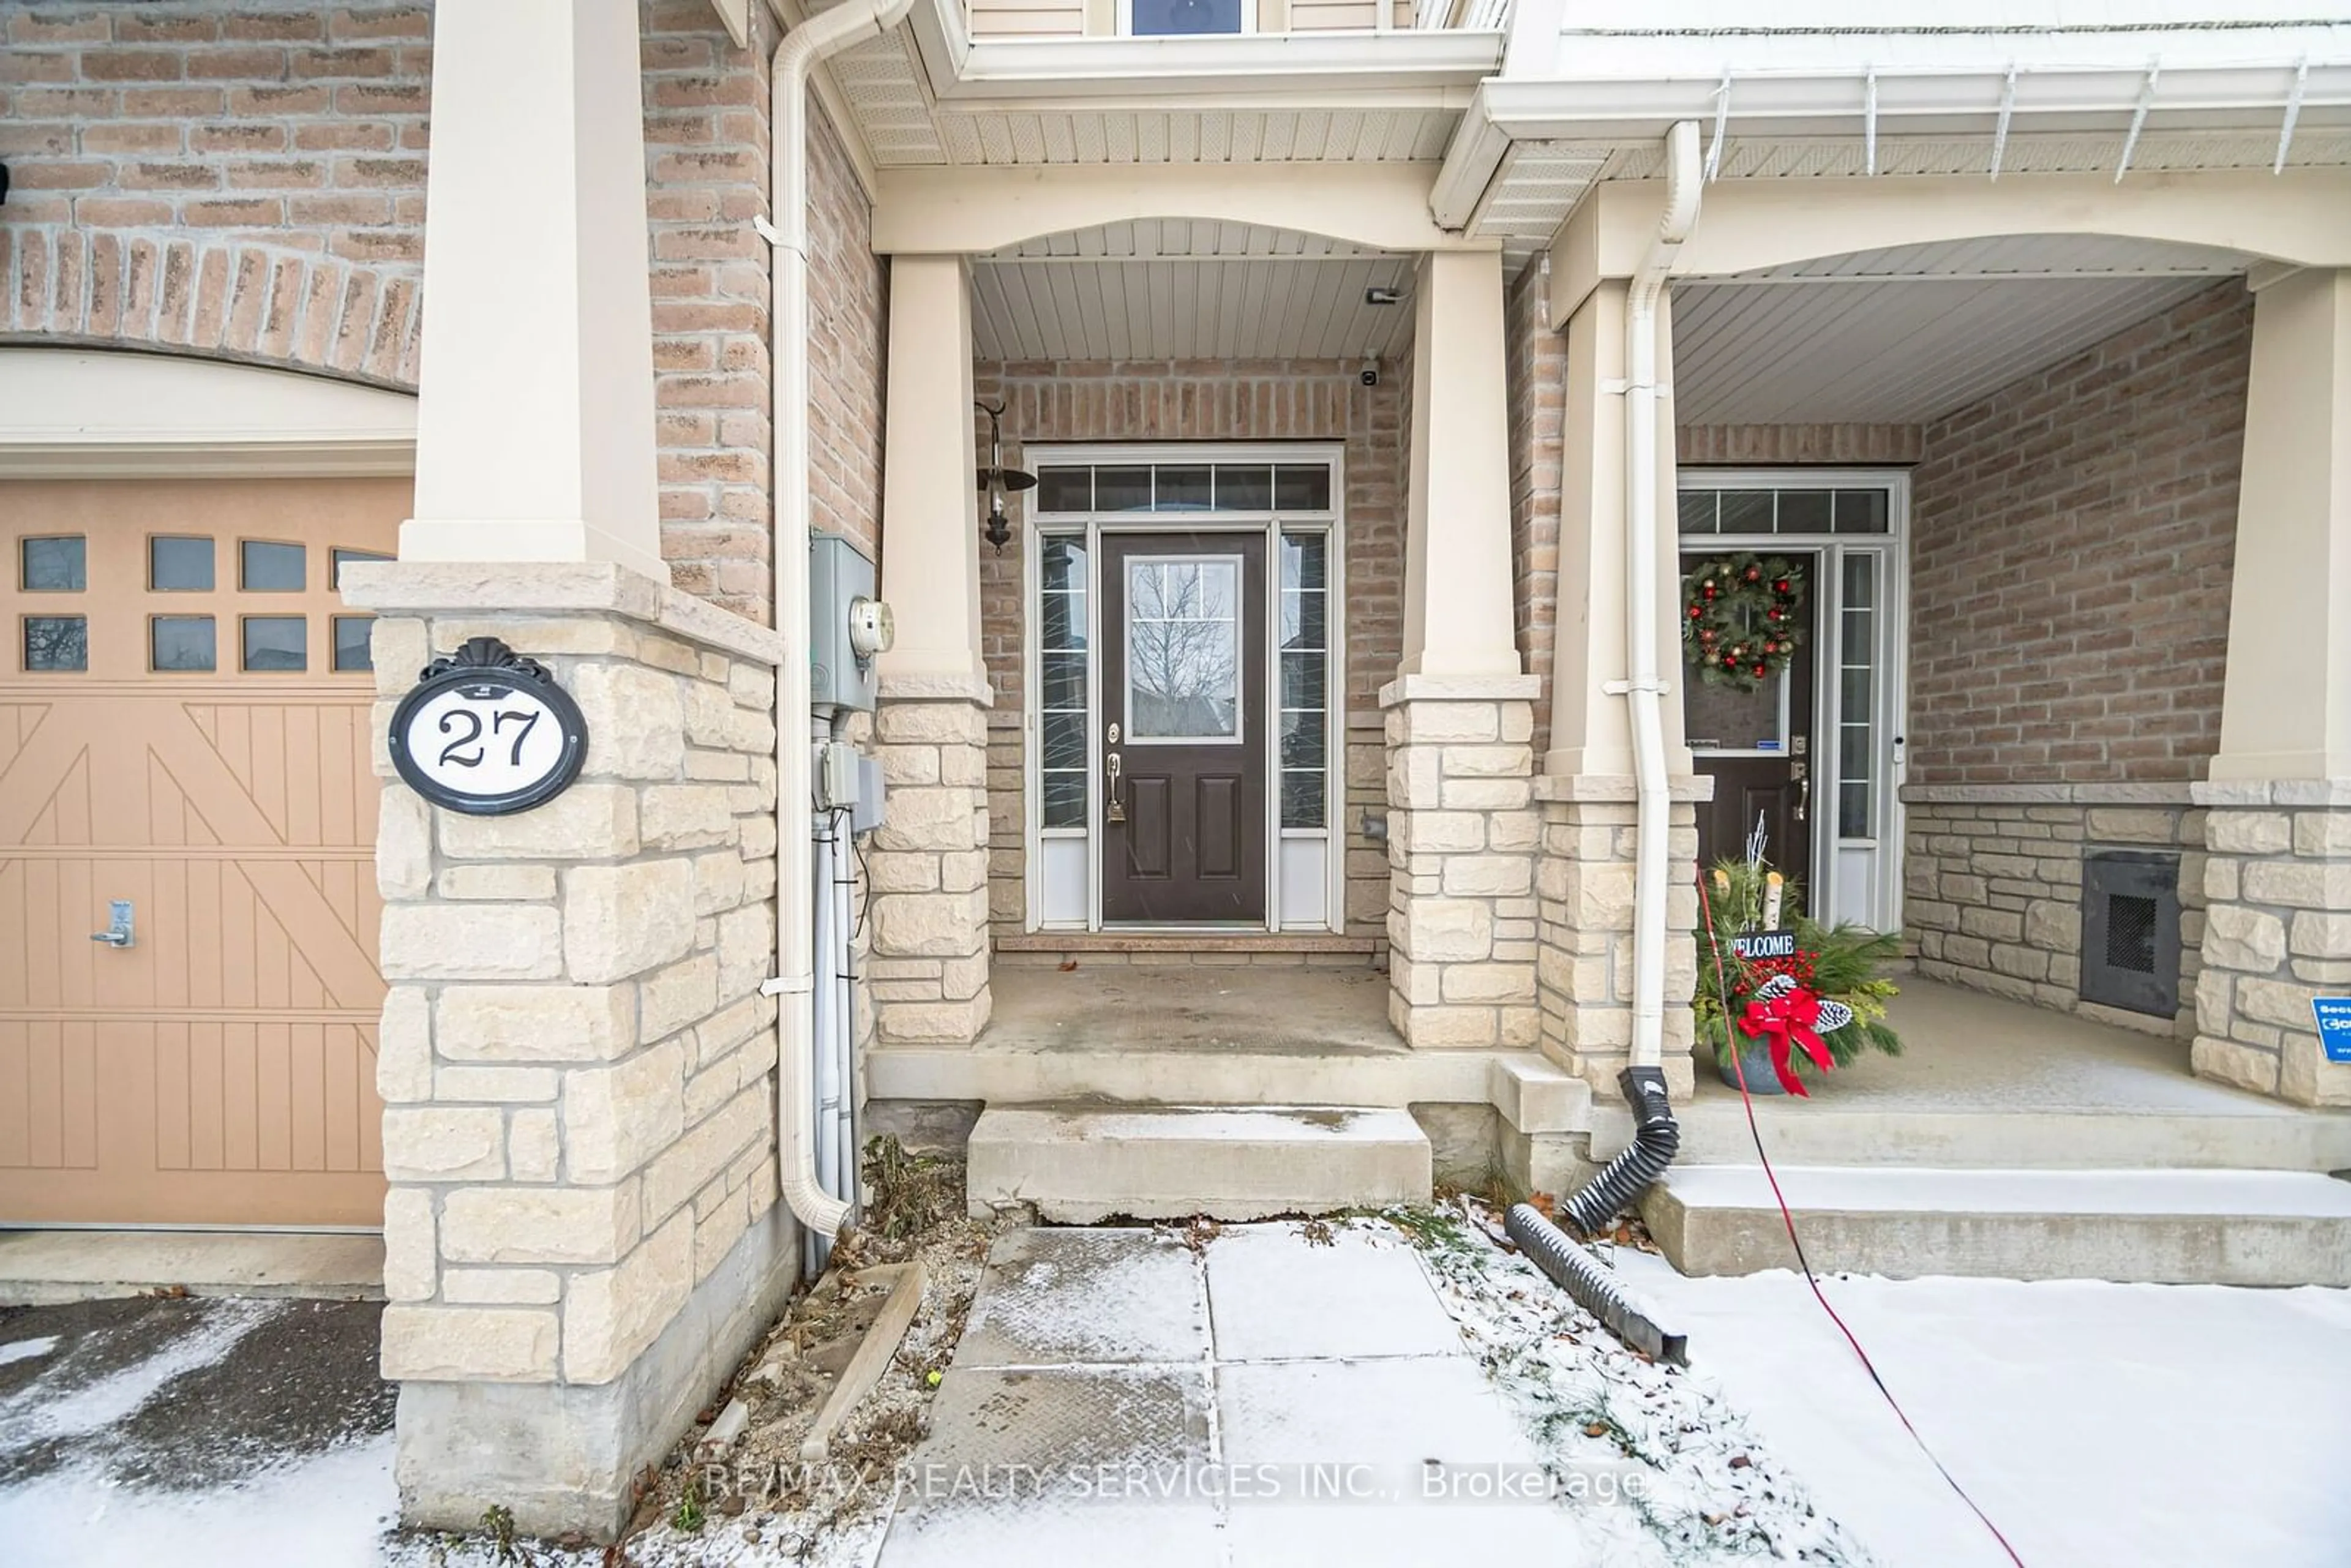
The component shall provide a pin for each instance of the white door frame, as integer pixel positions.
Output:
(1890, 692)
(1091, 527)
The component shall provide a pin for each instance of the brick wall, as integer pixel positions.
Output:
(2071, 541)
(237, 182)
(1239, 399)
(1784, 445)
(1537, 368)
(247, 182)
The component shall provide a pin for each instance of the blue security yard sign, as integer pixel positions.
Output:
(2334, 1026)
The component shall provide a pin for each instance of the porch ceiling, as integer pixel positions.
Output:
(1177, 288)
(1905, 336)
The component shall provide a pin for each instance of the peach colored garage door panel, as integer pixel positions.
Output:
(183, 725)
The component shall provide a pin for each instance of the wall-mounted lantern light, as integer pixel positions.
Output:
(996, 480)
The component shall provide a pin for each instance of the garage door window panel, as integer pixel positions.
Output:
(178, 563)
(265, 566)
(59, 564)
(276, 643)
(181, 644)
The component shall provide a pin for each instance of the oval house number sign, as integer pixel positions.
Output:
(488, 732)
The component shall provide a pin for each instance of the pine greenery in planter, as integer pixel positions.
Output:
(1839, 967)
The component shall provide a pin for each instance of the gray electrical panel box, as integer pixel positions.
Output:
(839, 575)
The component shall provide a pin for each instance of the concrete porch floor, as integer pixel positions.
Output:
(1985, 1081)
(1270, 1008)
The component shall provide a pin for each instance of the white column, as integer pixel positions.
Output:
(1591, 730)
(2286, 709)
(930, 516)
(1457, 613)
(535, 423)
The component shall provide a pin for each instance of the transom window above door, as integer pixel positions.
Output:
(1289, 488)
(1188, 18)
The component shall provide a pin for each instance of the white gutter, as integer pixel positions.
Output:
(1645, 686)
(815, 39)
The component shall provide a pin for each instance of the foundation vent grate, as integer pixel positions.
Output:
(2130, 931)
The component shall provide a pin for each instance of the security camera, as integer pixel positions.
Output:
(1370, 374)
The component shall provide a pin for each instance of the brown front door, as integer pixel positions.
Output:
(184, 729)
(1757, 748)
(1184, 727)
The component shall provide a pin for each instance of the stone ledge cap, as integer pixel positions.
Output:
(916, 686)
(2273, 792)
(532, 587)
(1618, 788)
(1494, 688)
(2174, 793)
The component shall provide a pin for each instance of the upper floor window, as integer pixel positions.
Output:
(1184, 19)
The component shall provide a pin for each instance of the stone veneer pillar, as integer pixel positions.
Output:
(581, 1233)
(2277, 930)
(2277, 933)
(1461, 839)
(1583, 885)
(1586, 875)
(929, 860)
(928, 863)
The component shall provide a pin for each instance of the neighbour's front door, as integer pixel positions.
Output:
(1757, 745)
(1184, 727)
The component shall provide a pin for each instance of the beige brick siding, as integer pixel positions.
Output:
(1213, 399)
(239, 183)
(1537, 368)
(1778, 445)
(2071, 541)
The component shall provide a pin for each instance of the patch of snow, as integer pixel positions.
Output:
(26, 1349)
(330, 1511)
(1272, 1293)
(1912, 1190)
(1660, 1467)
(2162, 1426)
(36, 1413)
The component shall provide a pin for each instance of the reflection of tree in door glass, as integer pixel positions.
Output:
(1183, 652)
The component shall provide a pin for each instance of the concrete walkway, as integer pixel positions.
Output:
(1271, 1397)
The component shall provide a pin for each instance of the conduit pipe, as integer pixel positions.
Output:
(1645, 685)
(817, 38)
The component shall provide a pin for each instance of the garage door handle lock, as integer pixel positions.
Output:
(117, 935)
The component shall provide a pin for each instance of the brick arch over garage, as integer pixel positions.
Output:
(221, 299)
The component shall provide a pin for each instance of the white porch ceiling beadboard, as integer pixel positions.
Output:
(1178, 289)
(906, 127)
(1893, 352)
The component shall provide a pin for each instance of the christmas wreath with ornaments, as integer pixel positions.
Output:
(1742, 618)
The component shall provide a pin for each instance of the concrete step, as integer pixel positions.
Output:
(2163, 1227)
(1079, 1165)
(2241, 1133)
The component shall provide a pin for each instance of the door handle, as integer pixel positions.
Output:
(118, 933)
(1801, 777)
(1115, 811)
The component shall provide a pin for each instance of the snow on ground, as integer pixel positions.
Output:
(327, 1510)
(1700, 1483)
(2096, 1424)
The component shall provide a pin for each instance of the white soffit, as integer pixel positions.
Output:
(67, 412)
(905, 126)
(1907, 336)
(1176, 289)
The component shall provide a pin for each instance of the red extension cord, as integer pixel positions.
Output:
(1722, 989)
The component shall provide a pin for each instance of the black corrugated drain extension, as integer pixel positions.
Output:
(1592, 1209)
(1588, 1282)
(1654, 1140)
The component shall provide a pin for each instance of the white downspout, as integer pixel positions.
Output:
(1645, 685)
(815, 39)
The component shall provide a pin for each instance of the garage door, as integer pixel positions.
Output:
(184, 757)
